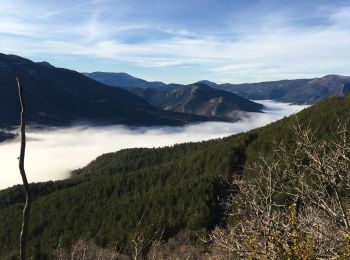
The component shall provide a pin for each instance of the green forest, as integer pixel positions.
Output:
(172, 190)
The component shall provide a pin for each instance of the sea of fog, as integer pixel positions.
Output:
(52, 153)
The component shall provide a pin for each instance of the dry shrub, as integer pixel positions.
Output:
(185, 245)
(296, 206)
(87, 250)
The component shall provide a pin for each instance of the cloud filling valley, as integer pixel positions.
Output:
(52, 153)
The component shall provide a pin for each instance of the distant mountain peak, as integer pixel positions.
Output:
(333, 76)
(13, 59)
(208, 83)
(122, 79)
(46, 64)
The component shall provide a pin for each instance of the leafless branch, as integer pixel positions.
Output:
(29, 197)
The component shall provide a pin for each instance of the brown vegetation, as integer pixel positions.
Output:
(296, 207)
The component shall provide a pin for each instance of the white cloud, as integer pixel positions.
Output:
(53, 153)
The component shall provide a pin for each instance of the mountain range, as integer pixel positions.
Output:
(298, 91)
(199, 99)
(57, 96)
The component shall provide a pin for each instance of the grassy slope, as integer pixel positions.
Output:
(174, 187)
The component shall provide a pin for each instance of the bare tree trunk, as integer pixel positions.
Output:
(29, 198)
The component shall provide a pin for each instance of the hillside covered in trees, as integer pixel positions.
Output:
(120, 196)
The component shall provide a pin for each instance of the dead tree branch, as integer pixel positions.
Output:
(29, 198)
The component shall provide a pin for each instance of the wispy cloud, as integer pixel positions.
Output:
(263, 40)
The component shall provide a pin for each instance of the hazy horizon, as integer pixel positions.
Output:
(51, 146)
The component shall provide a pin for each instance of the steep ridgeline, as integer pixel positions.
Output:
(300, 91)
(199, 99)
(56, 96)
(123, 80)
(147, 190)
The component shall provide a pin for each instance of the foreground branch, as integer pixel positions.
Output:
(24, 231)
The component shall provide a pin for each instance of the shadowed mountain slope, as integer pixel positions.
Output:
(56, 96)
(199, 99)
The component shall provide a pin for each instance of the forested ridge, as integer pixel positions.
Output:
(170, 189)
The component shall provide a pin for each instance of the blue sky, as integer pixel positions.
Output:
(183, 41)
